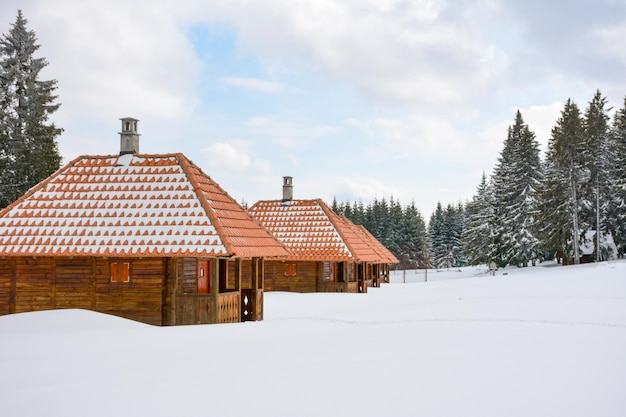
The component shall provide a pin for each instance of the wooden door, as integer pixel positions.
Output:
(204, 276)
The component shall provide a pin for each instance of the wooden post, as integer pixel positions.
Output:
(12, 290)
(238, 274)
(426, 262)
(258, 291)
(255, 286)
(170, 304)
(215, 288)
(53, 281)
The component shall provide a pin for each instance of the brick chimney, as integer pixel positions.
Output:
(129, 138)
(287, 188)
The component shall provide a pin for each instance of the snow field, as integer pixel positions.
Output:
(540, 341)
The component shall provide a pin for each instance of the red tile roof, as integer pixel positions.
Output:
(384, 253)
(131, 205)
(310, 230)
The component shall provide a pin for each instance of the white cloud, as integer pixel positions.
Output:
(117, 58)
(256, 84)
(286, 133)
(226, 156)
(414, 136)
(393, 51)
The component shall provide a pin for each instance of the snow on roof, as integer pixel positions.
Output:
(378, 247)
(131, 205)
(310, 230)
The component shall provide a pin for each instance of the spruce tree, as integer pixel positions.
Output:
(616, 211)
(28, 147)
(516, 180)
(437, 249)
(413, 233)
(596, 187)
(560, 194)
(476, 237)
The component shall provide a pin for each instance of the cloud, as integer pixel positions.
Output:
(287, 134)
(256, 84)
(415, 136)
(234, 157)
(116, 59)
(392, 51)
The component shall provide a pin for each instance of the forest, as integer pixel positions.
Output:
(568, 204)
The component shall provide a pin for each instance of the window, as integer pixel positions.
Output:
(328, 271)
(290, 270)
(120, 272)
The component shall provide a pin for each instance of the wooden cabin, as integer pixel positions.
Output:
(328, 253)
(150, 238)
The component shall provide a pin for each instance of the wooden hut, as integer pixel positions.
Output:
(146, 237)
(328, 253)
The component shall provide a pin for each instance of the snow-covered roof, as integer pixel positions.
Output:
(310, 230)
(384, 253)
(131, 205)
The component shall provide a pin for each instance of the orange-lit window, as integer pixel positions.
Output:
(290, 269)
(120, 272)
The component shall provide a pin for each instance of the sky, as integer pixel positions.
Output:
(355, 100)
(536, 341)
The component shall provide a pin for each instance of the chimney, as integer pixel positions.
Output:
(287, 188)
(129, 138)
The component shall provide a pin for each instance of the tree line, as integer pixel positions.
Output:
(401, 229)
(570, 204)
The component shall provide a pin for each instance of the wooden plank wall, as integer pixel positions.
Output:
(6, 282)
(140, 299)
(187, 277)
(305, 279)
(34, 289)
(74, 283)
(45, 283)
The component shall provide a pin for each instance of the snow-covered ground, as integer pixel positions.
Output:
(541, 341)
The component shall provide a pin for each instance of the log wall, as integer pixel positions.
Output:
(305, 280)
(7, 287)
(160, 291)
(46, 283)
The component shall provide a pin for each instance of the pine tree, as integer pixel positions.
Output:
(28, 148)
(437, 249)
(397, 238)
(476, 237)
(560, 194)
(516, 180)
(454, 223)
(616, 211)
(596, 187)
(413, 233)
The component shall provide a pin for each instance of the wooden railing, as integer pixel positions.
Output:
(228, 307)
(200, 308)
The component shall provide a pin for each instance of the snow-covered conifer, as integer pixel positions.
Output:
(28, 148)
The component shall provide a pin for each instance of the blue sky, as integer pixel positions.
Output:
(355, 99)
